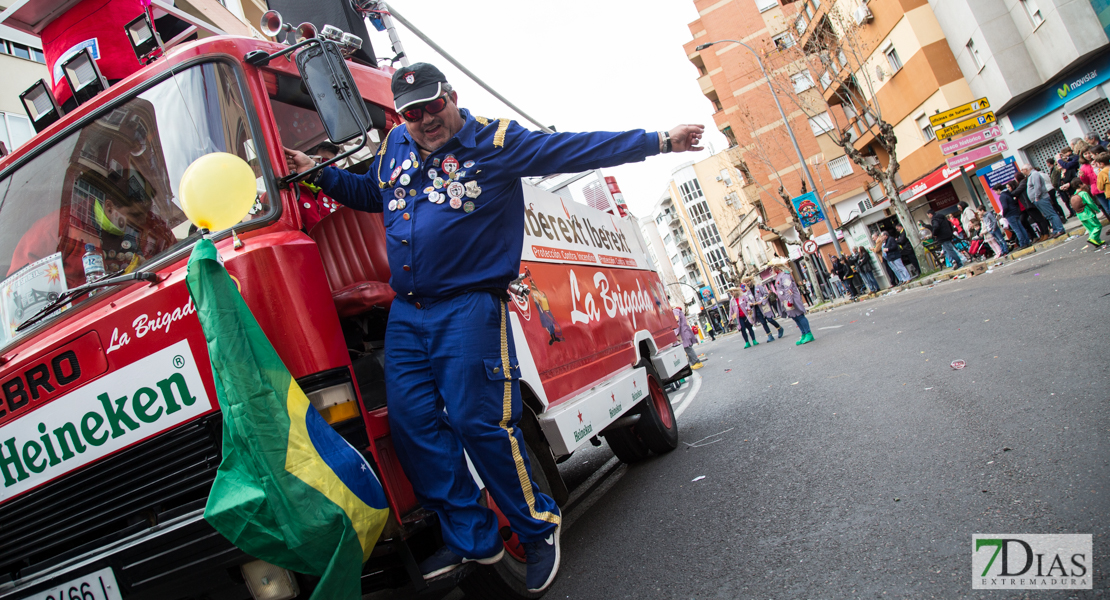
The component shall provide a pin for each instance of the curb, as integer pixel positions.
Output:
(949, 274)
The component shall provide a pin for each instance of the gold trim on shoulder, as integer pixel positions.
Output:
(484, 121)
(502, 129)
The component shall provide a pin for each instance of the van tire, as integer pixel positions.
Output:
(506, 579)
(657, 427)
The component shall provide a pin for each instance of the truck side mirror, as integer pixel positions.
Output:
(333, 91)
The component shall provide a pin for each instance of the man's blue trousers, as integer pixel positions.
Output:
(452, 385)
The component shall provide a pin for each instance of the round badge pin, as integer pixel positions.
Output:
(468, 164)
(307, 205)
(401, 204)
(412, 157)
(431, 173)
(456, 190)
(433, 196)
(392, 205)
(405, 179)
(437, 183)
(456, 203)
(428, 190)
(468, 206)
(399, 193)
(450, 164)
(392, 162)
(396, 173)
(406, 165)
(412, 192)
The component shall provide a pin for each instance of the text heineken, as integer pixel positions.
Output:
(146, 397)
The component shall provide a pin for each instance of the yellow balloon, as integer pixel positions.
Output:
(217, 191)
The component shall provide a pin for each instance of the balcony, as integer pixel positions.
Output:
(706, 83)
(681, 240)
(689, 260)
(673, 219)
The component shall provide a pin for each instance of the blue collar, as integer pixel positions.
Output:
(465, 136)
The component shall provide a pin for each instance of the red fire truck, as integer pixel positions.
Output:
(109, 426)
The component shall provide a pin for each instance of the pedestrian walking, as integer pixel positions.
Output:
(1036, 188)
(452, 263)
(942, 233)
(736, 313)
(1012, 213)
(688, 338)
(1031, 217)
(792, 302)
(753, 299)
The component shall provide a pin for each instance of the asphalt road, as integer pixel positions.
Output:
(860, 465)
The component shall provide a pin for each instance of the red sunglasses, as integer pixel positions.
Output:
(434, 107)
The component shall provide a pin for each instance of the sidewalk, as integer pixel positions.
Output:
(1073, 227)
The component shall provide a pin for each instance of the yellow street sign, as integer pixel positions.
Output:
(960, 111)
(966, 125)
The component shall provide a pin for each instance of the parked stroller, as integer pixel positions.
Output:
(979, 249)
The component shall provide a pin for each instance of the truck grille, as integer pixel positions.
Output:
(126, 491)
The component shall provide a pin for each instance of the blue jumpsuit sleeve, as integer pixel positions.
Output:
(360, 192)
(530, 153)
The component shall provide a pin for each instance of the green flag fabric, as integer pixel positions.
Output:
(289, 489)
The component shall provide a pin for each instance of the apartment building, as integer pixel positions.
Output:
(888, 60)
(731, 78)
(1043, 64)
(660, 257)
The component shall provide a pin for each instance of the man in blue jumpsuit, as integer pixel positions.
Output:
(449, 186)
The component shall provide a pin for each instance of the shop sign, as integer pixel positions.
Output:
(971, 141)
(1063, 89)
(966, 125)
(979, 153)
(960, 111)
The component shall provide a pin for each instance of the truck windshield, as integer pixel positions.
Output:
(114, 184)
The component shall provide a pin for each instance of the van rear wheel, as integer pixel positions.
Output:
(657, 427)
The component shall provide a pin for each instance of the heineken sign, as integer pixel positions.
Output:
(147, 397)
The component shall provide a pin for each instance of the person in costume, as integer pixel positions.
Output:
(792, 303)
(449, 185)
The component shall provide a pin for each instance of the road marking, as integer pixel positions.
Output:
(829, 327)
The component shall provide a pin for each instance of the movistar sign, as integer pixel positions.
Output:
(1060, 91)
(146, 397)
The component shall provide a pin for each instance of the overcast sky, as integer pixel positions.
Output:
(605, 65)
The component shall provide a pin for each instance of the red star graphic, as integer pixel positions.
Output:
(613, 396)
(579, 416)
(634, 383)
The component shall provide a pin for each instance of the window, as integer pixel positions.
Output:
(840, 167)
(731, 137)
(38, 56)
(4, 47)
(802, 81)
(699, 213)
(1033, 11)
(783, 40)
(821, 124)
(667, 239)
(926, 128)
(973, 52)
(20, 50)
(765, 5)
(691, 191)
(842, 58)
(800, 25)
(14, 130)
(893, 60)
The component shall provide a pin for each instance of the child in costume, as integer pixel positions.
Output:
(1086, 210)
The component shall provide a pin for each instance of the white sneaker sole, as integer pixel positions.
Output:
(554, 568)
(482, 561)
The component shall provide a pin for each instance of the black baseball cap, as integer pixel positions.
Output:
(416, 83)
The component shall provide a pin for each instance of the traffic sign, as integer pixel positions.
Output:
(967, 125)
(970, 141)
(810, 247)
(960, 111)
(977, 154)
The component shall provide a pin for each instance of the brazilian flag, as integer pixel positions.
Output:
(289, 489)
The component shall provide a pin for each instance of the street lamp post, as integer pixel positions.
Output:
(790, 131)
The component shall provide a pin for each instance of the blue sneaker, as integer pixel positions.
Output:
(445, 561)
(543, 561)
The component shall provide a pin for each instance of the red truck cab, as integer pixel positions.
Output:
(109, 425)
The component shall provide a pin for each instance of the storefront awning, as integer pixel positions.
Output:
(930, 182)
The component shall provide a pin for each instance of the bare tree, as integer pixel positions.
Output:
(844, 55)
(764, 148)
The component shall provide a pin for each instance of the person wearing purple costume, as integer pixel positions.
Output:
(792, 304)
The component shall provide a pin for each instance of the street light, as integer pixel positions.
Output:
(789, 130)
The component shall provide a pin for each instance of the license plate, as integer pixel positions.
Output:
(100, 585)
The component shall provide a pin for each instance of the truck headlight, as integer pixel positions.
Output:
(269, 582)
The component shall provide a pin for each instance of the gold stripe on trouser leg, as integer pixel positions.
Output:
(506, 416)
